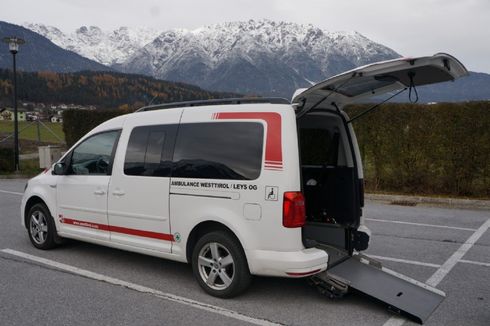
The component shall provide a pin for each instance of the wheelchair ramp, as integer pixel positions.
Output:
(401, 293)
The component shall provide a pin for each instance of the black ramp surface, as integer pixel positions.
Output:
(417, 300)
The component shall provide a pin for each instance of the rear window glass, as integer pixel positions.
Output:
(221, 150)
(144, 155)
(319, 147)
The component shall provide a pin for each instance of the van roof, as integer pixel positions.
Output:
(224, 101)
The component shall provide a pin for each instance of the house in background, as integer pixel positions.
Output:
(7, 114)
(32, 116)
(57, 118)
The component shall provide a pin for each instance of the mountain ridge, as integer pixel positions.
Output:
(39, 53)
(105, 47)
(263, 57)
(254, 57)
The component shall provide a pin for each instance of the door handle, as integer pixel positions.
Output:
(118, 193)
(99, 192)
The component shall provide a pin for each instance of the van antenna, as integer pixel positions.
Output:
(375, 106)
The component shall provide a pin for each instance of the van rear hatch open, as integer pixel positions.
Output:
(333, 185)
(377, 79)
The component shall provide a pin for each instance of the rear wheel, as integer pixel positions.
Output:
(220, 266)
(41, 228)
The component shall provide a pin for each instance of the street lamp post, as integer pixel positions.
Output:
(14, 43)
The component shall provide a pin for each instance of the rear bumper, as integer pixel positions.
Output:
(299, 263)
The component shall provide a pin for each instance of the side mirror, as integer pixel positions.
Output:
(59, 169)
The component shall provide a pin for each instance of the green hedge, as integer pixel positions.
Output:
(76, 123)
(426, 149)
(6, 160)
(407, 148)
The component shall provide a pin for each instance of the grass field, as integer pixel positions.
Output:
(28, 131)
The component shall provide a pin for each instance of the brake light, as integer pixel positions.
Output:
(293, 209)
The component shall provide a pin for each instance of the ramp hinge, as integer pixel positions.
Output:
(331, 286)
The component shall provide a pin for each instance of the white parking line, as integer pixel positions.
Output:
(420, 263)
(445, 268)
(12, 192)
(474, 262)
(453, 260)
(405, 261)
(420, 224)
(143, 289)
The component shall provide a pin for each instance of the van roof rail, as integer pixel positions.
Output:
(224, 101)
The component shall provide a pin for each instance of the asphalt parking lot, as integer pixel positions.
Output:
(84, 284)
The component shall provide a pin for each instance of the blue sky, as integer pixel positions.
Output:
(410, 27)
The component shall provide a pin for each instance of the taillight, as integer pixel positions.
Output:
(293, 209)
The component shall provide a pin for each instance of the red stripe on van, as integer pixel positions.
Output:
(279, 165)
(119, 229)
(272, 168)
(273, 143)
(303, 273)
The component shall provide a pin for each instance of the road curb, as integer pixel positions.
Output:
(453, 202)
(15, 177)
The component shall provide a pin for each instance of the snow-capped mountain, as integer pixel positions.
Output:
(40, 54)
(259, 57)
(253, 57)
(106, 47)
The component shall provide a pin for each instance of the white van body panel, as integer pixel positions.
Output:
(114, 123)
(258, 234)
(132, 248)
(44, 184)
(151, 211)
(82, 199)
(41, 186)
(138, 205)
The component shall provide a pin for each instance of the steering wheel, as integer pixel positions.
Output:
(101, 165)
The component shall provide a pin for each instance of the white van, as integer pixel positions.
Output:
(235, 187)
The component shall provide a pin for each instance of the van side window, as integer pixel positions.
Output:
(146, 154)
(319, 146)
(94, 155)
(220, 150)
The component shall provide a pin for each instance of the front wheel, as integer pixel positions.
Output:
(220, 266)
(41, 228)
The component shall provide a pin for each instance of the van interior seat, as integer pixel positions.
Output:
(329, 194)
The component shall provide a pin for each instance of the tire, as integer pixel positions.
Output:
(41, 228)
(220, 266)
